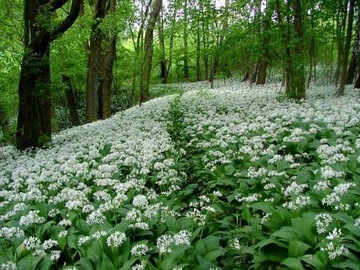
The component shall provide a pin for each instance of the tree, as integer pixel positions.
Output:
(92, 86)
(345, 55)
(292, 33)
(148, 51)
(35, 98)
(355, 53)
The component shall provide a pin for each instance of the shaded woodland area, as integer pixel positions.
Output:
(68, 62)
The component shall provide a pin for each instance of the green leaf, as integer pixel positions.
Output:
(173, 258)
(29, 262)
(205, 264)
(45, 263)
(297, 248)
(292, 263)
(172, 224)
(127, 265)
(82, 226)
(85, 263)
(106, 149)
(319, 260)
(43, 229)
(307, 229)
(287, 233)
(212, 255)
(263, 206)
(106, 263)
(229, 169)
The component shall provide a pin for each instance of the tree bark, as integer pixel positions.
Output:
(345, 58)
(186, 46)
(35, 97)
(107, 55)
(163, 63)
(71, 100)
(298, 81)
(92, 83)
(148, 51)
(354, 63)
(340, 29)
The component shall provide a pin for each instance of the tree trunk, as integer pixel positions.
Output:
(148, 51)
(345, 58)
(340, 29)
(198, 50)
(163, 64)
(71, 100)
(298, 81)
(354, 63)
(34, 116)
(357, 83)
(35, 97)
(186, 49)
(92, 85)
(106, 71)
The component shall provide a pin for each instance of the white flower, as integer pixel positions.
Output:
(236, 244)
(139, 250)
(336, 233)
(163, 243)
(62, 234)
(31, 218)
(8, 266)
(182, 238)
(31, 243)
(294, 188)
(140, 201)
(83, 240)
(65, 222)
(115, 239)
(48, 244)
(322, 185)
(248, 199)
(97, 235)
(11, 232)
(55, 255)
(95, 217)
(322, 221)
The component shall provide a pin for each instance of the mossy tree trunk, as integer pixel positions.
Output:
(148, 51)
(35, 97)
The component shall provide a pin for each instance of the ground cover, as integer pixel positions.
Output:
(230, 178)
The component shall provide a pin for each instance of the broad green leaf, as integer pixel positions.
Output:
(292, 263)
(29, 262)
(287, 233)
(127, 265)
(229, 169)
(172, 224)
(349, 265)
(297, 248)
(212, 255)
(319, 260)
(263, 206)
(307, 229)
(45, 263)
(266, 242)
(106, 263)
(43, 229)
(85, 263)
(205, 264)
(82, 226)
(173, 258)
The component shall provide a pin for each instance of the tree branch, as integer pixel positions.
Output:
(68, 21)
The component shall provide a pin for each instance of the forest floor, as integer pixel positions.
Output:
(228, 178)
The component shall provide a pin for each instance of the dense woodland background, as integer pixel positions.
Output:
(65, 63)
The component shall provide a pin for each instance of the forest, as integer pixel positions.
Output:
(179, 134)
